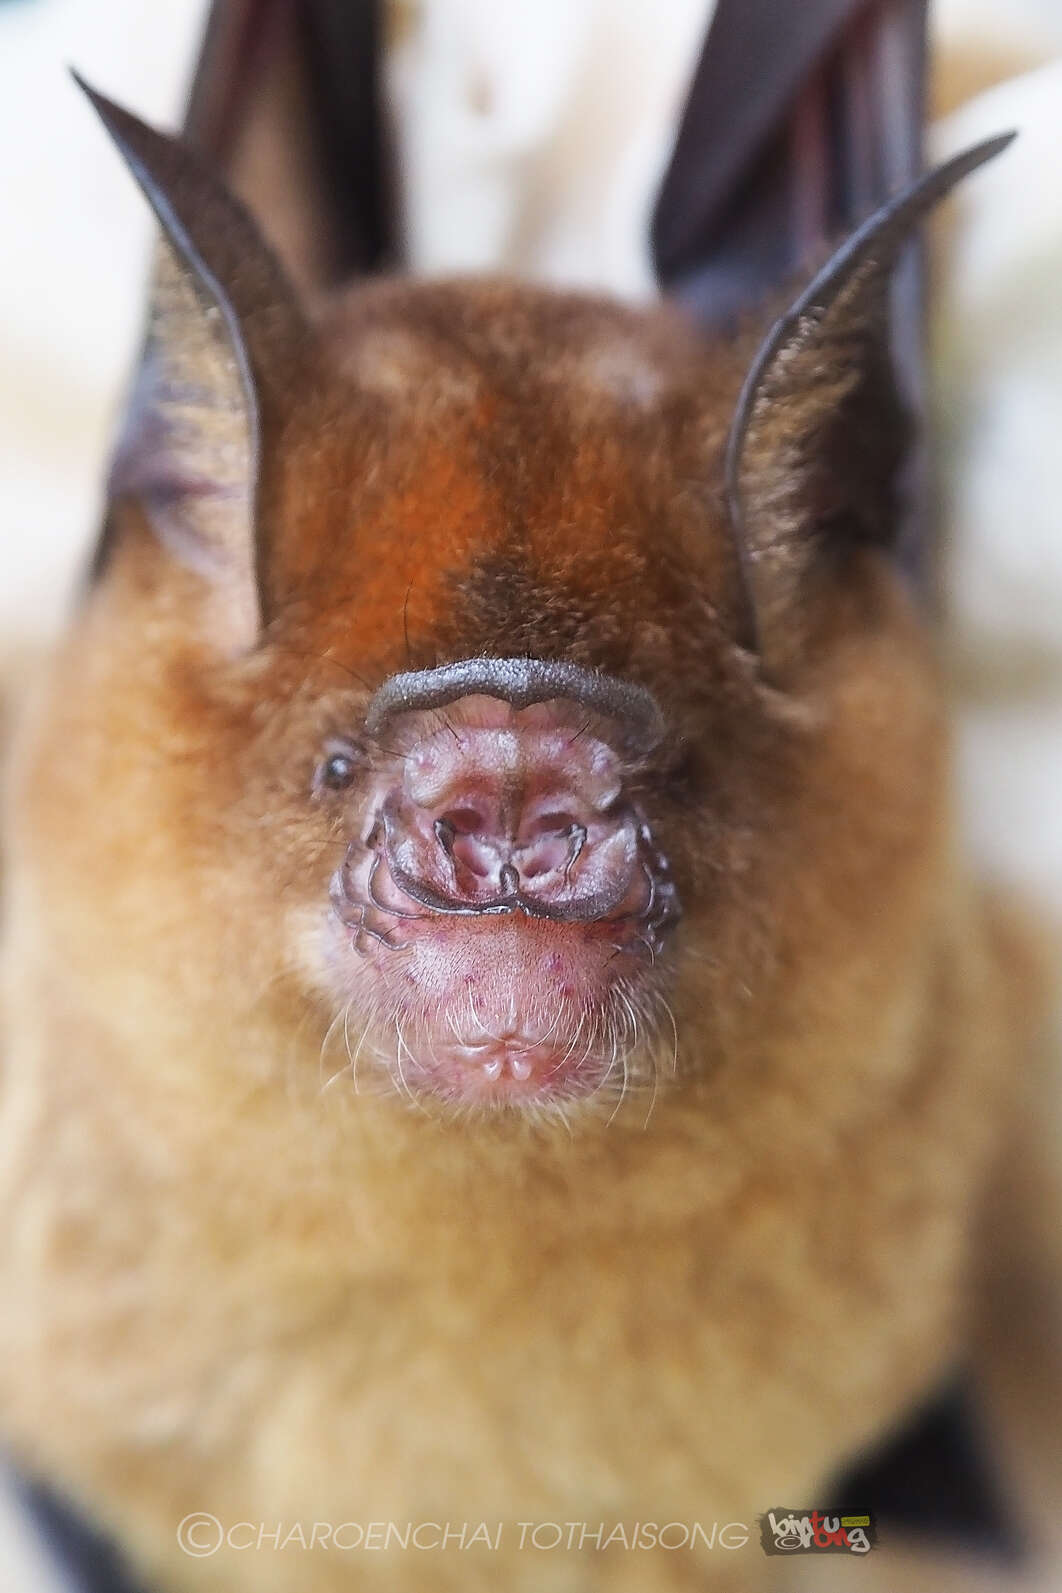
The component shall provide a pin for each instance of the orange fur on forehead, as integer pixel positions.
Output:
(561, 452)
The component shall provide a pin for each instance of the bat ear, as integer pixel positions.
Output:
(821, 428)
(223, 339)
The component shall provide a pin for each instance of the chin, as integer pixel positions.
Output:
(509, 1013)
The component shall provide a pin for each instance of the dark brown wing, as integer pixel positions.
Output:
(287, 102)
(803, 117)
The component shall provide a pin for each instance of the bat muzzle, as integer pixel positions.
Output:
(511, 797)
(514, 817)
(505, 851)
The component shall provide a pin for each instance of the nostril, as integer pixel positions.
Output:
(558, 823)
(464, 821)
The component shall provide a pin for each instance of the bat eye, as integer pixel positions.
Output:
(337, 769)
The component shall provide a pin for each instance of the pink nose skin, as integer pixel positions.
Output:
(501, 854)
(501, 809)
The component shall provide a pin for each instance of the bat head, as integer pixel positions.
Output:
(494, 693)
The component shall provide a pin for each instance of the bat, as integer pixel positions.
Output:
(499, 1030)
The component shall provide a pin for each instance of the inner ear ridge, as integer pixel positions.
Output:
(186, 451)
(844, 303)
(225, 338)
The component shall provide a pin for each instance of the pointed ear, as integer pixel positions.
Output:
(223, 340)
(821, 429)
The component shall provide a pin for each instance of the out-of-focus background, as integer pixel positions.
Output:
(531, 138)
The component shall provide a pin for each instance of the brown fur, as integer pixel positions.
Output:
(227, 1288)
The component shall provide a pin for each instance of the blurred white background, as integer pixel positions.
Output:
(75, 239)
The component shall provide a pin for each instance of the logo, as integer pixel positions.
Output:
(816, 1532)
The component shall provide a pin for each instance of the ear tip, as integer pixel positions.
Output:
(1003, 141)
(969, 160)
(124, 128)
(989, 148)
(98, 101)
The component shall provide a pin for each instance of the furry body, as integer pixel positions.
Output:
(232, 1282)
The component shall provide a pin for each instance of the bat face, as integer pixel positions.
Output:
(453, 781)
(510, 511)
(437, 724)
(496, 792)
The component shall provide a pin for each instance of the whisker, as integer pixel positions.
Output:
(357, 1053)
(574, 1042)
(346, 1065)
(321, 658)
(652, 1098)
(477, 1019)
(326, 1042)
(553, 1025)
(616, 1050)
(405, 625)
(402, 1046)
(398, 1058)
(674, 1032)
